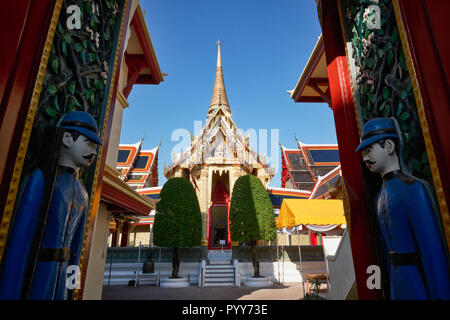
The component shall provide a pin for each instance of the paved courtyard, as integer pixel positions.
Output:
(286, 291)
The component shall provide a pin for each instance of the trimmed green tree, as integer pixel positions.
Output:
(251, 215)
(178, 221)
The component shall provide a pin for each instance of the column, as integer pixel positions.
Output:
(363, 248)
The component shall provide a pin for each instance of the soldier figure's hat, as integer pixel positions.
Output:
(376, 129)
(81, 122)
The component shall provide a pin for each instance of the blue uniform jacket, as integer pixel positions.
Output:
(64, 228)
(408, 224)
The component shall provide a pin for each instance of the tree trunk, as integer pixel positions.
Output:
(255, 262)
(175, 263)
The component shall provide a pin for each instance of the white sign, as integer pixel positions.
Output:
(222, 242)
(74, 20)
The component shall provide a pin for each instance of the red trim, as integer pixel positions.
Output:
(124, 201)
(426, 26)
(284, 173)
(220, 198)
(135, 63)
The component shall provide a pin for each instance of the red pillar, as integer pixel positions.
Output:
(24, 26)
(125, 230)
(363, 249)
(312, 237)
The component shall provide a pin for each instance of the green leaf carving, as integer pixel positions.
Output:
(52, 89)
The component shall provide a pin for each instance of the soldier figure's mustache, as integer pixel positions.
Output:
(369, 162)
(89, 157)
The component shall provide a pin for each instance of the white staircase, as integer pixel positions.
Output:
(219, 275)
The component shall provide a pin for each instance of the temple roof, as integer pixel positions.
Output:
(313, 84)
(305, 164)
(137, 167)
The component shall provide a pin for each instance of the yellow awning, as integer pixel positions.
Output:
(296, 212)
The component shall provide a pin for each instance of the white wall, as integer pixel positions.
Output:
(96, 264)
(341, 271)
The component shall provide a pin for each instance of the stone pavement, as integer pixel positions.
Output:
(286, 291)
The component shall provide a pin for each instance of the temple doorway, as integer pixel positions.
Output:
(219, 229)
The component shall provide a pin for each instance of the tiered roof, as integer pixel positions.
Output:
(302, 167)
(137, 167)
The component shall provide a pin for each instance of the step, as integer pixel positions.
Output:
(219, 274)
(219, 261)
(219, 269)
(219, 266)
(215, 279)
(219, 284)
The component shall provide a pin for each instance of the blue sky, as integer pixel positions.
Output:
(265, 46)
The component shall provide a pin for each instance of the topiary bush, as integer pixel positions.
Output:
(178, 221)
(251, 215)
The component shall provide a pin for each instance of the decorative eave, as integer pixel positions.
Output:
(151, 192)
(313, 85)
(146, 59)
(121, 197)
(289, 192)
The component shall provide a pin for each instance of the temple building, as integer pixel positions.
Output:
(217, 157)
(312, 171)
(138, 168)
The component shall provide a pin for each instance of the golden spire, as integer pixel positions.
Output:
(219, 96)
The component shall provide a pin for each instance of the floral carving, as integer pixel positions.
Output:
(382, 82)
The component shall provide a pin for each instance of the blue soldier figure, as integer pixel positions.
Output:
(414, 250)
(64, 230)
